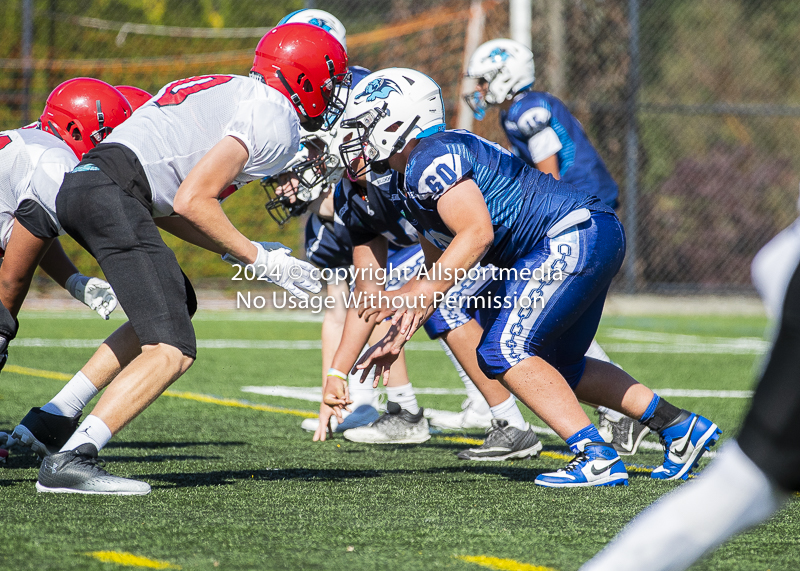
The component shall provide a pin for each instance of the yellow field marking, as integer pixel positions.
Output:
(501, 564)
(463, 440)
(177, 394)
(238, 404)
(37, 373)
(198, 397)
(130, 560)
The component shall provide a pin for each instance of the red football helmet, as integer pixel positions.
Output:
(83, 111)
(136, 96)
(309, 66)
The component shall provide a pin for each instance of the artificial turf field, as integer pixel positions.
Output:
(244, 488)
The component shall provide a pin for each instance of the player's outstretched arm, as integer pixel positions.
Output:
(197, 199)
(92, 292)
(463, 209)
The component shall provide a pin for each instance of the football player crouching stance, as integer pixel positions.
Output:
(472, 201)
(194, 143)
(78, 114)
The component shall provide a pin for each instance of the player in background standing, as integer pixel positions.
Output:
(544, 134)
(215, 133)
(753, 476)
(473, 201)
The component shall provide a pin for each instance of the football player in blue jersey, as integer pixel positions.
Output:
(362, 216)
(472, 201)
(544, 134)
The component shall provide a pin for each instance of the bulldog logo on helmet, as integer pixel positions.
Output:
(379, 88)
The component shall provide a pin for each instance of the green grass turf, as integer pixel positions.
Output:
(243, 489)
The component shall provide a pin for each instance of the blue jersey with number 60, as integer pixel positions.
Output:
(523, 202)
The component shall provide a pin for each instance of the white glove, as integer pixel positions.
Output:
(282, 269)
(94, 292)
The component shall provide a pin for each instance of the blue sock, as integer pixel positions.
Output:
(584, 435)
(651, 409)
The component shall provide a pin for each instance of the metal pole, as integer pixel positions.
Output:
(556, 76)
(472, 41)
(632, 151)
(27, 61)
(520, 14)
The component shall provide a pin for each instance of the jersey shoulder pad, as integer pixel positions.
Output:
(433, 169)
(531, 115)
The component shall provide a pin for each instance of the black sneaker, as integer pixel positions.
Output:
(79, 472)
(397, 426)
(504, 442)
(625, 434)
(43, 432)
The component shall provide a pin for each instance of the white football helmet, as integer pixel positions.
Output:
(386, 109)
(321, 18)
(507, 68)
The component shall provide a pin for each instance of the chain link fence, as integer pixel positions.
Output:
(693, 104)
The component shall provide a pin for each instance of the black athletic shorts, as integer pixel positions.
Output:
(116, 227)
(770, 435)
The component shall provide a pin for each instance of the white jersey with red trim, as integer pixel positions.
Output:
(32, 166)
(176, 128)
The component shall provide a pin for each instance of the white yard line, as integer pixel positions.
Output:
(624, 341)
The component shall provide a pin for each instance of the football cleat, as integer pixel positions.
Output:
(598, 464)
(504, 442)
(473, 415)
(43, 432)
(362, 416)
(625, 435)
(79, 471)
(397, 426)
(685, 440)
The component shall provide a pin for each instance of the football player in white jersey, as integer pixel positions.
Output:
(32, 166)
(193, 144)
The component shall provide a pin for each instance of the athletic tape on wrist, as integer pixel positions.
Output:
(337, 373)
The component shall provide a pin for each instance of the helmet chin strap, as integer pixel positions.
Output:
(400, 143)
(292, 95)
(54, 131)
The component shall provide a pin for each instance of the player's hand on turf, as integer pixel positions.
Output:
(94, 292)
(382, 355)
(335, 398)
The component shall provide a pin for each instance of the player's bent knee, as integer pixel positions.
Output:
(174, 359)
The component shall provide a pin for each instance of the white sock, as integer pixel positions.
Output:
(473, 394)
(360, 393)
(92, 430)
(508, 410)
(73, 398)
(595, 351)
(731, 495)
(612, 415)
(404, 396)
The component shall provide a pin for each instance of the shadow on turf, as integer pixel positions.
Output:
(184, 480)
(154, 445)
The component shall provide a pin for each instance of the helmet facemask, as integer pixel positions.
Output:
(361, 147)
(331, 90)
(290, 192)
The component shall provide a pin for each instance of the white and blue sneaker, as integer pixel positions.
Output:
(598, 464)
(685, 440)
